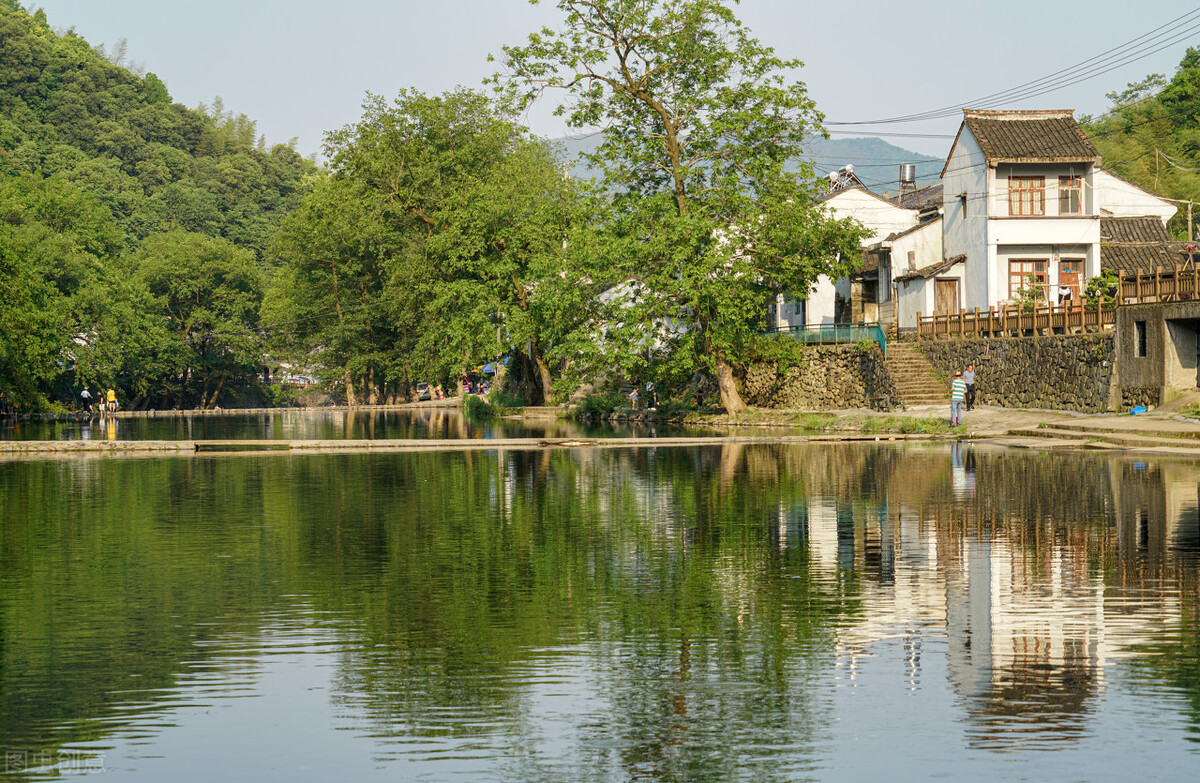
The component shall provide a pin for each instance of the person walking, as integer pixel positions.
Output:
(86, 396)
(969, 379)
(958, 390)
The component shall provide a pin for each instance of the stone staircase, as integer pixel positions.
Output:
(914, 377)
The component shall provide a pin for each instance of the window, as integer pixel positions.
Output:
(1019, 273)
(1070, 196)
(1026, 195)
(1139, 336)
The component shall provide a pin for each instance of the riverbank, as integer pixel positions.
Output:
(1163, 431)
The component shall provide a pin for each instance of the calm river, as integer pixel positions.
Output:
(753, 613)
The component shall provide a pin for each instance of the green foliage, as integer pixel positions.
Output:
(700, 126)
(1030, 295)
(595, 407)
(96, 167)
(477, 408)
(1151, 135)
(1101, 290)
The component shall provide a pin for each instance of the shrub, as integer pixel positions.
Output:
(598, 406)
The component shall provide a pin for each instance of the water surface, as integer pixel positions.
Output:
(822, 612)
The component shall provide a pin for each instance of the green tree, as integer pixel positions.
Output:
(479, 218)
(702, 134)
(209, 291)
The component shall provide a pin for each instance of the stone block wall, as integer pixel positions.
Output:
(1064, 372)
(830, 377)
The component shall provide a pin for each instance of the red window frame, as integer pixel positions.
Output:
(1019, 271)
(1070, 195)
(1026, 196)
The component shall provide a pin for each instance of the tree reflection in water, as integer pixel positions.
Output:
(676, 613)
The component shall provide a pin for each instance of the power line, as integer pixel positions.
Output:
(1094, 66)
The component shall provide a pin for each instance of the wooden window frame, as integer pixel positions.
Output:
(1042, 275)
(1026, 196)
(1070, 189)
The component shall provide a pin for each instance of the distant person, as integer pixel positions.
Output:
(958, 391)
(969, 379)
(633, 397)
(86, 396)
(112, 399)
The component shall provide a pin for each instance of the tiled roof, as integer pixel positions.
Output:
(1138, 244)
(1147, 228)
(924, 198)
(1033, 136)
(933, 270)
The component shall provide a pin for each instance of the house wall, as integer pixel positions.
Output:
(1169, 364)
(1123, 199)
(822, 300)
(919, 296)
(965, 221)
(925, 244)
(916, 296)
(998, 198)
(881, 217)
(1053, 254)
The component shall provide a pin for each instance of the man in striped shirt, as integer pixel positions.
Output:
(958, 392)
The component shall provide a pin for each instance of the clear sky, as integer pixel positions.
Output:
(300, 68)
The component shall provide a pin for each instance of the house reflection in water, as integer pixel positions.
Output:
(1035, 591)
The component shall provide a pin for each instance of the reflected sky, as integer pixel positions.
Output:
(817, 612)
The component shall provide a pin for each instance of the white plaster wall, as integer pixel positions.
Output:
(880, 216)
(920, 296)
(926, 245)
(1125, 200)
(965, 223)
(820, 307)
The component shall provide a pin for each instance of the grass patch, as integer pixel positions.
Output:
(909, 425)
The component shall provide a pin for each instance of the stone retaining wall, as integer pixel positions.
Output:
(831, 377)
(1065, 372)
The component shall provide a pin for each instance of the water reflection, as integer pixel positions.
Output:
(731, 613)
(321, 424)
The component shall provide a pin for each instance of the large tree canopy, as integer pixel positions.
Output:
(461, 223)
(702, 131)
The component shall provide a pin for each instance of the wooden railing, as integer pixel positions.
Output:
(1014, 321)
(1170, 285)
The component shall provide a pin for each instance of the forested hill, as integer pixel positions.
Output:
(1151, 136)
(133, 230)
(69, 113)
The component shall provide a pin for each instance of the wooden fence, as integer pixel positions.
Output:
(1012, 321)
(1171, 285)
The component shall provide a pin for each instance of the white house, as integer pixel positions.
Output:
(1020, 203)
(829, 300)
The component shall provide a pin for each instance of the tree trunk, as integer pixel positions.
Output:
(348, 381)
(731, 400)
(543, 371)
(372, 390)
(206, 404)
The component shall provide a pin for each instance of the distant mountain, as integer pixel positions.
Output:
(875, 161)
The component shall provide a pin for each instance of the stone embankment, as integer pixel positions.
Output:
(1064, 372)
(830, 378)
